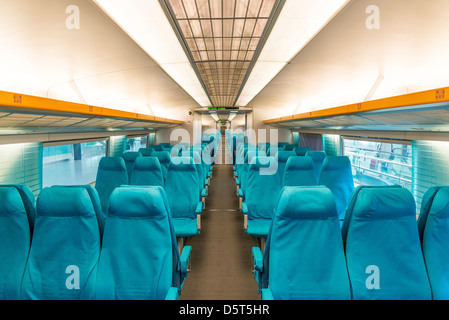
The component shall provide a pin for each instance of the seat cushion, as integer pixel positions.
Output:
(259, 227)
(185, 227)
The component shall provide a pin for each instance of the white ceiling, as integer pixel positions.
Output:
(100, 65)
(40, 56)
(409, 53)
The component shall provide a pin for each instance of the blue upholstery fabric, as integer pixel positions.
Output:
(146, 152)
(243, 173)
(130, 158)
(95, 198)
(318, 159)
(66, 235)
(299, 171)
(28, 201)
(435, 239)
(336, 174)
(259, 199)
(282, 158)
(181, 188)
(110, 175)
(380, 233)
(304, 255)
(139, 256)
(147, 172)
(15, 239)
(164, 160)
(301, 151)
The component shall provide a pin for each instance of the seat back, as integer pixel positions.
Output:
(130, 158)
(110, 175)
(181, 188)
(282, 158)
(65, 249)
(336, 174)
(164, 160)
(304, 247)
(433, 223)
(15, 240)
(318, 159)
(139, 257)
(146, 152)
(28, 201)
(243, 173)
(301, 151)
(259, 198)
(383, 252)
(299, 171)
(147, 172)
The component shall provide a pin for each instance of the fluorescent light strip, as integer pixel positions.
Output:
(298, 23)
(146, 23)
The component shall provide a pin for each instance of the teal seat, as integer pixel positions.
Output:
(146, 152)
(336, 174)
(282, 158)
(261, 195)
(130, 158)
(433, 225)
(303, 257)
(65, 249)
(181, 188)
(383, 251)
(243, 173)
(164, 160)
(318, 159)
(301, 151)
(139, 259)
(147, 172)
(111, 174)
(299, 171)
(15, 241)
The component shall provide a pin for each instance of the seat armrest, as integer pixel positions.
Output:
(267, 294)
(244, 208)
(257, 259)
(172, 294)
(203, 192)
(199, 208)
(240, 193)
(184, 259)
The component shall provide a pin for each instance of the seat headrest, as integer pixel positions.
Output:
(283, 156)
(11, 202)
(300, 163)
(336, 163)
(182, 164)
(131, 155)
(301, 151)
(138, 202)
(373, 203)
(316, 155)
(60, 201)
(146, 152)
(440, 204)
(147, 164)
(163, 156)
(112, 164)
(299, 203)
(261, 162)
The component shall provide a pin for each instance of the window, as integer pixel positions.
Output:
(72, 164)
(380, 163)
(135, 143)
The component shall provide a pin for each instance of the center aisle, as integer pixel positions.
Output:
(221, 254)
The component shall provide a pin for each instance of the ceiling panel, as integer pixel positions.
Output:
(222, 38)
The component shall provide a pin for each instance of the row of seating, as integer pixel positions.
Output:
(381, 252)
(61, 248)
(185, 180)
(313, 168)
